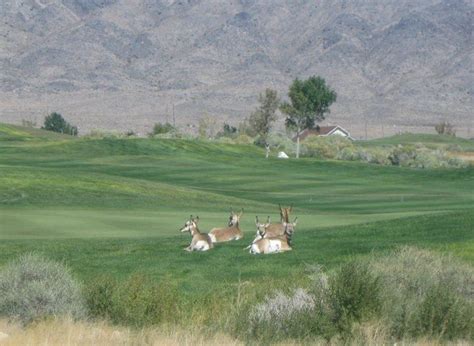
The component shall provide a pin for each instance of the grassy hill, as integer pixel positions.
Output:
(431, 141)
(115, 206)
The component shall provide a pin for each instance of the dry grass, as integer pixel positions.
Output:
(66, 332)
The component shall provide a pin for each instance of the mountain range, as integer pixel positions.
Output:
(124, 65)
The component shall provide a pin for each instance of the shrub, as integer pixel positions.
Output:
(32, 288)
(281, 316)
(99, 134)
(354, 294)
(99, 296)
(243, 139)
(225, 140)
(441, 314)
(416, 285)
(454, 147)
(137, 301)
(325, 147)
(227, 131)
(281, 142)
(445, 128)
(159, 129)
(402, 155)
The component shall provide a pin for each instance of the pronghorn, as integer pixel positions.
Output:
(231, 232)
(200, 241)
(276, 229)
(266, 245)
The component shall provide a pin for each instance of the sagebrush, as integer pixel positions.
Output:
(32, 287)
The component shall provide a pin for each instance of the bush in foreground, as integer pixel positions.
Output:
(425, 294)
(409, 294)
(137, 301)
(32, 287)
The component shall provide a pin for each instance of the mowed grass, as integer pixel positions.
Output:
(115, 206)
(429, 140)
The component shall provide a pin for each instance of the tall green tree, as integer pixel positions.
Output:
(310, 100)
(55, 122)
(262, 118)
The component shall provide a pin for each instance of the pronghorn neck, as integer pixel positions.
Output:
(195, 230)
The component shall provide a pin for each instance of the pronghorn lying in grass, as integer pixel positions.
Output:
(266, 245)
(275, 229)
(231, 232)
(200, 241)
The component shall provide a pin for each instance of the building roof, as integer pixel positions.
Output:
(321, 131)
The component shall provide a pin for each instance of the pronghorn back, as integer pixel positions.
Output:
(231, 232)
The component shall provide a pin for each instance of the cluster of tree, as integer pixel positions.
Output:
(445, 128)
(56, 123)
(309, 102)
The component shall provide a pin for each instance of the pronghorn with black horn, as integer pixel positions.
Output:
(266, 245)
(231, 232)
(200, 241)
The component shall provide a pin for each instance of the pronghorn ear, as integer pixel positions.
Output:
(291, 208)
(191, 217)
(256, 220)
(241, 212)
(279, 206)
(196, 219)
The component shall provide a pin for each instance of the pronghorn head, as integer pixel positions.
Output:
(285, 213)
(290, 229)
(261, 227)
(190, 225)
(234, 218)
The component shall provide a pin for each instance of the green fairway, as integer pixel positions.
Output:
(115, 206)
(431, 141)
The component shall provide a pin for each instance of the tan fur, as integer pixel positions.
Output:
(285, 213)
(278, 229)
(264, 244)
(200, 241)
(231, 232)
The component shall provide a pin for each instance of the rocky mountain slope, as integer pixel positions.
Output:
(119, 64)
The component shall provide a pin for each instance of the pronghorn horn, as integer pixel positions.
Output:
(296, 220)
(291, 208)
(256, 219)
(268, 219)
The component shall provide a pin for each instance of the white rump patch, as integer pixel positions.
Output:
(201, 245)
(282, 155)
(274, 246)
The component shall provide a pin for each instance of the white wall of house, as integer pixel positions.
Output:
(339, 133)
